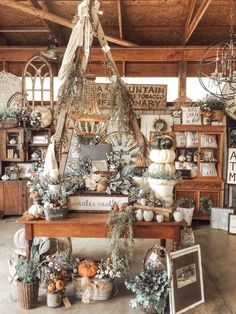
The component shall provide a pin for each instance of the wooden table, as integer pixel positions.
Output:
(93, 225)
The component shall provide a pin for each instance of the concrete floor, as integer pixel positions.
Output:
(219, 264)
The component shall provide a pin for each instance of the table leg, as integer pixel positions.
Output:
(29, 240)
(163, 243)
(176, 240)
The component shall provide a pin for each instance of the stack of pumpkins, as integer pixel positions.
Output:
(162, 170)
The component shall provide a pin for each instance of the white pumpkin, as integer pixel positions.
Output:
(162, 155)
(139, 214)
(35, 210)
(168, 168)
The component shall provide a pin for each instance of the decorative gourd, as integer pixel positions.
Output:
(141, 162)
(51, 287)
(60, 285)
(88, 268)
(35, 210)
(162, 156)
(166, 142)
(162, 168)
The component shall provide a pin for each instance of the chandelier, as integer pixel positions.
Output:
(89, 121)
(220, 61)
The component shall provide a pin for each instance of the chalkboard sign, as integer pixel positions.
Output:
(231, 173)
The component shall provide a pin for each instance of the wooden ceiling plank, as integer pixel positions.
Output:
(136, 54)
(23, 29)
(197, 18)
(57, 19)
(192, 4)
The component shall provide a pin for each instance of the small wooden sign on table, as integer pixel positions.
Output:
(95, 202)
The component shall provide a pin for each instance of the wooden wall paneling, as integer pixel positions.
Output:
(1, 200)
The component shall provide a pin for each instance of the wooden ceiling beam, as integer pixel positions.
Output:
(57, 19)
(192, 4)
(23, 29)
(138, 54)
(197, 18)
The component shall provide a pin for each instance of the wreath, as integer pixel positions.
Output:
(206, 204)
(160, 125)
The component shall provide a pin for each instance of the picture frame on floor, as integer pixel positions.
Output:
(187, 290)
(232, 224)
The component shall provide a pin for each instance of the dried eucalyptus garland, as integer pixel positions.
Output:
(121, 252)
(120, 101)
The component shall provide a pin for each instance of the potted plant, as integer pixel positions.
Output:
(55, 206)
(163, 185)
(151, 289)
(53, 277)
(27, 273)
(186, 206)
(9, 118)
(216, 105)
(206, 113)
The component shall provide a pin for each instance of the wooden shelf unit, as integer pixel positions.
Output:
(203, 185)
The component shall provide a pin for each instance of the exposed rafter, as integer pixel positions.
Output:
(198, 16)
(24, 29)
(51, 27)
(57, 19)
(120, 24)
(192, 4)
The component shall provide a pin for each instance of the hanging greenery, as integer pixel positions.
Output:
(121, 112)
(70, 91)
(121, 251)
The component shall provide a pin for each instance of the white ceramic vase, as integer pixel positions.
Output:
(148, 215)
(139, 214)
(159, 217)
(178, 216)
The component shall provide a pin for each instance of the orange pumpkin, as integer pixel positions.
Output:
(141, 162)
(51, 287)
(88, 268)
(60, 285)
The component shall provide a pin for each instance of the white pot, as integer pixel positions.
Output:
(162, 188)
(54, 188)
(159, 217)
(178, 216)
(139, 214)
(188, 214)
(148, 215)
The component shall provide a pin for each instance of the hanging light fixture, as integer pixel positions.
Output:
(89, 121)
(220, 61)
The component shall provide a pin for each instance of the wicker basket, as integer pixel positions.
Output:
(217, 115)
(28, 294)
(55, 213)
(9, 124)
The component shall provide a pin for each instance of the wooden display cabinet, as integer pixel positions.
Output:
(12, 144)
(207, 166)
(38, 144)
(13, 198)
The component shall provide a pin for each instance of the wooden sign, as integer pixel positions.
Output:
(95, 203)
(231, 171)
(144, 97)
(191, 115)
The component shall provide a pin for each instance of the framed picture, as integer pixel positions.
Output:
(232, 224)
(220, 218)
(99, 165)
(187, 289)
